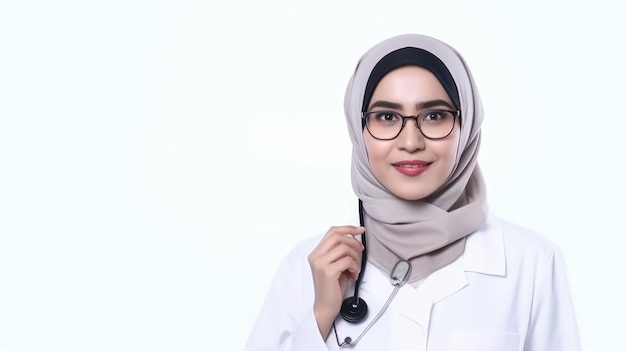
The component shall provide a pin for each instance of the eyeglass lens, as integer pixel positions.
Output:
(434, 124)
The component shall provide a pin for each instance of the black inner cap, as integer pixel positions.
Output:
(411, 56)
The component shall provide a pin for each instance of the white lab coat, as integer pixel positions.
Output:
(507, 292)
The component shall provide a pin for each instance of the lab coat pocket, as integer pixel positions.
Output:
(484, 340)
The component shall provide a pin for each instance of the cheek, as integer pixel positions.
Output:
(369, 149)
(449, 151)
(375, 150)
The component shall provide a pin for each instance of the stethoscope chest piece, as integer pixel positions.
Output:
(353, 309)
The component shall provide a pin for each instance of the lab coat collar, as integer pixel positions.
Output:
(484, 253)
(484, 250)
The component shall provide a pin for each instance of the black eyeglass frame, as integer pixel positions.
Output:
(456, 114)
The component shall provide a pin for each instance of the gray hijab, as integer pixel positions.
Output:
(429, 233)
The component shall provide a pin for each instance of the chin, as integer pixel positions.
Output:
(411, 196)
(412, 193)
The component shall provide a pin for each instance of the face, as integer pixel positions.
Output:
(411, 166)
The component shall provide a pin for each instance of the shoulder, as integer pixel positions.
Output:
(503, 248)
(526, 249)
(520, 238)
(498, 235)
(303, 248)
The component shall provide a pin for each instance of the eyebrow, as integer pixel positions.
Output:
(419, 106)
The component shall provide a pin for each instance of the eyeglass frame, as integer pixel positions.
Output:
(456, 114)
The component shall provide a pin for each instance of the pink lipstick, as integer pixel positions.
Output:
(411, 167)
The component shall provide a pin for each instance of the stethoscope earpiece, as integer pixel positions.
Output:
(353, 312)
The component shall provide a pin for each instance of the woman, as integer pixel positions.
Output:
(440, 272)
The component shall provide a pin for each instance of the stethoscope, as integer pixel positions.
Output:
(354, 309)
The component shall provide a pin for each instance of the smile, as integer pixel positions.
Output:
(411, 168)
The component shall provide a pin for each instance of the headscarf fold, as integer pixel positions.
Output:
(429, 233)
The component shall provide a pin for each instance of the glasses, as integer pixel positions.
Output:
(433, 124)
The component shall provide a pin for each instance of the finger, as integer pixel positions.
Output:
(349, 265)
(339, 252)
(321, 262)
(335, 238)
(345, 264)
(338, 247)
(345, 230)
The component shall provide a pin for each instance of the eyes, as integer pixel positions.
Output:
(390, 117)
(434, 124)
(386, 117)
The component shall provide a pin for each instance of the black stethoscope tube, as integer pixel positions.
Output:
(354, 309)
(363, 254)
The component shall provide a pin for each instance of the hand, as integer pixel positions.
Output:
(334, 262)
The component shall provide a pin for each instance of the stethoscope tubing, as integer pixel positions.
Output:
(354, 309)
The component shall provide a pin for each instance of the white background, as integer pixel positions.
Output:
(158, 158)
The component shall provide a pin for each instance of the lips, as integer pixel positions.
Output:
(411, 167)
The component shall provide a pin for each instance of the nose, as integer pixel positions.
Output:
(411, 138)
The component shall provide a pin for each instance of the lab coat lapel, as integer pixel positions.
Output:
(484, 253)
(416, 304)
